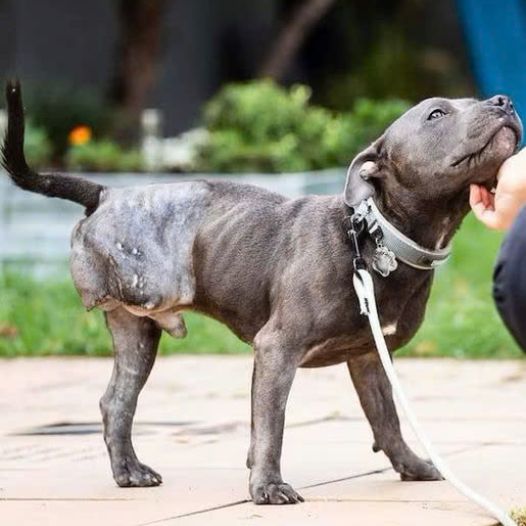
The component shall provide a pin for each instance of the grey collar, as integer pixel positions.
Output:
(393, 245)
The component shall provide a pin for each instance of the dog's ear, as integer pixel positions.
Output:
(362, 170)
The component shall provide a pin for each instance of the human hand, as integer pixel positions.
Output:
(498, 210)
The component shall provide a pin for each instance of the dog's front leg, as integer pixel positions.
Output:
(275, 365)
(135, 342)
(376, 397)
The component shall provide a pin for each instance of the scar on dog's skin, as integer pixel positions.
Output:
(277, 271)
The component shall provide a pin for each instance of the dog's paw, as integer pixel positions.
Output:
(274, 493)
(134, 474)
(419, 470)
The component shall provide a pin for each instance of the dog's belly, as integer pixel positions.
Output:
(135, 250)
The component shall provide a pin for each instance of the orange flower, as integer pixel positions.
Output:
(80, 135)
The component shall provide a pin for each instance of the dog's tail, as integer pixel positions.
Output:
(13, 160)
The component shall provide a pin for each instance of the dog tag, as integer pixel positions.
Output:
(384, 261)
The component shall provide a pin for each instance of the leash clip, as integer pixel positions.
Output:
(357, 224)
(384, 260)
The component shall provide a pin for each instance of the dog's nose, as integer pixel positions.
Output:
(503, 102)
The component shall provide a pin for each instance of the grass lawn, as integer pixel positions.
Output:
(46, 317)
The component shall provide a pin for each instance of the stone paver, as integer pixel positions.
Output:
(192, 425)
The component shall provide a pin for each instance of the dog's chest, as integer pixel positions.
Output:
(401, 305)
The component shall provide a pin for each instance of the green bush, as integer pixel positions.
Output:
(259, 126)
(103, 156)
(369, 118)
(38, 147)
(59, 107)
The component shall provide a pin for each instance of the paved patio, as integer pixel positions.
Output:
(192, 425)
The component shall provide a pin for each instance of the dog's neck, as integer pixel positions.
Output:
(432, 223)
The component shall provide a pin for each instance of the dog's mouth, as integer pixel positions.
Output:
(505, 141)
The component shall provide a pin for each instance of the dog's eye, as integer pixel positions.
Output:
(436, 114)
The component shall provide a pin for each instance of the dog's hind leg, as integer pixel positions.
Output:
(376, 397)
(135, 341)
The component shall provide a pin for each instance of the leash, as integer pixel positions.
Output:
(363, 285)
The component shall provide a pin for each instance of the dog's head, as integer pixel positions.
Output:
(436, 149)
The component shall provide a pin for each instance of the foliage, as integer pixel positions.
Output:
(260, 126)
(46, 317)
(38, 147)
(393, 67)
(103, 156)
(39, 318)
(58, 108)
(369, 119)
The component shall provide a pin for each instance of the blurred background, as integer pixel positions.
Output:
(281, 93)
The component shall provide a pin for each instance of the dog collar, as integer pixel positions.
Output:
(393, 245)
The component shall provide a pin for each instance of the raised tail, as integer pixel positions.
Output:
(13, 160)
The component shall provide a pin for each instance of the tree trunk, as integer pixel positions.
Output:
(137, 57)
(291, 37)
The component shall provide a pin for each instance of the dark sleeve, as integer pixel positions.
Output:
(509, 280)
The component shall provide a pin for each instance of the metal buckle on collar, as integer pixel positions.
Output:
(392, 246)
(384, 260)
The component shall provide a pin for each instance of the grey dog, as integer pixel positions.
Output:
(276, 271)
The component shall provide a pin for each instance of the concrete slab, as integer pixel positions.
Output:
(192, 426)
